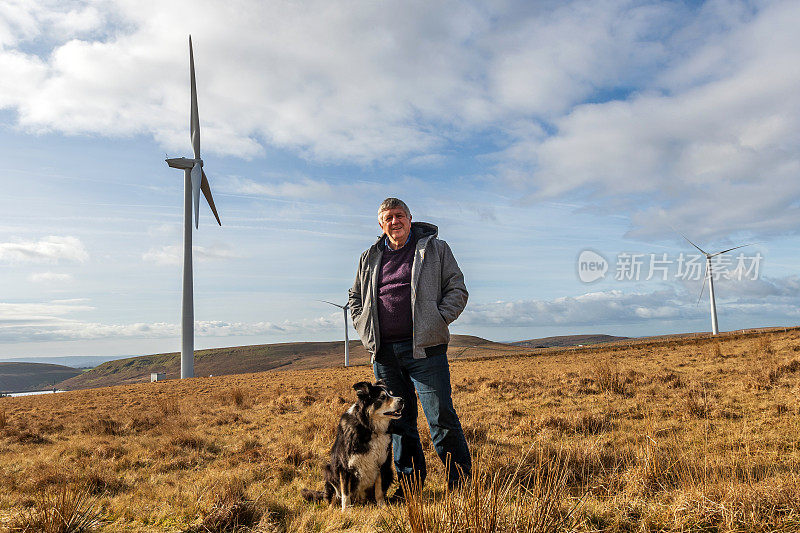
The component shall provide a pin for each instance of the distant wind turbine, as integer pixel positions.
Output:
(710, 277)
(194, 181)
(344, 309)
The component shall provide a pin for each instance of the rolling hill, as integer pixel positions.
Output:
(21, 377)
(311, 355)
(256, 358)
(567, 340)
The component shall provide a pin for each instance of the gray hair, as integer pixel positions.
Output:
(393, 203)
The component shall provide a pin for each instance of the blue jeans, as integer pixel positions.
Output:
(430, 378)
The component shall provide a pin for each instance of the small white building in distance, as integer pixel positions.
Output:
(157, 376)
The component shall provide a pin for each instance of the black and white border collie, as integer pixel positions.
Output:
(360, 468)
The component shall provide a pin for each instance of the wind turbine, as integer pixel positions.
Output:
(710, 277)
(344, 309)
(194, 181)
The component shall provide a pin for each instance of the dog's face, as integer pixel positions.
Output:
(376, 400)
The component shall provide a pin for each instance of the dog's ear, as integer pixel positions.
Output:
(362, 389)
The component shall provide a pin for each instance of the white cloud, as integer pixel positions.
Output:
(710, 145)
(21, 20)
(336, 81)
(597, 308)
(547, 60)
(54, 321)
(47, 250)
(302, 188)
(775, 297)
(767, 298)
(354, 81)
(693, 112)
(764, 287)
(52, 278)
(173, 254)
(39, 313)
(428, 160)
(164, 230)
(165, 255)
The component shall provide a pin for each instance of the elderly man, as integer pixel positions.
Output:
(408, 288)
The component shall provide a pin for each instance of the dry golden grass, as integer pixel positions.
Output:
(687, 434)
(63, 509)
(526, 496)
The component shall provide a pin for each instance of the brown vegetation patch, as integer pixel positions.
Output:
(65, 509)
(193, 441)
(529, 496)
(143, 423)
(98, 483)
(649, 436)
(475, 434)
(698, 403)
(169, 406)
(295, 456)
(609, 379)
(238, 397)
(29, 437)
(230, 510)
(587, 424)
(672, 380)
(104, 426)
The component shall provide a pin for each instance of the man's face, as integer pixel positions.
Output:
(396, 224)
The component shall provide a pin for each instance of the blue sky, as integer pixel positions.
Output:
(528, 132)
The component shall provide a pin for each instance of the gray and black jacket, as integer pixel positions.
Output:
(438, 293)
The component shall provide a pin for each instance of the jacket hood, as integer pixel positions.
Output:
(423, 229)
(419, 230)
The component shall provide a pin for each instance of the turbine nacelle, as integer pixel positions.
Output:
(183, 163)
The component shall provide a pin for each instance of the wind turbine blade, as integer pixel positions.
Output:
(197, 178)
(690, 242)
(734, 248)
(703, 286)
(327, 302)
(206, 188)
(194, 125)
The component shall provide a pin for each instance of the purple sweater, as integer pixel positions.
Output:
(394, 293)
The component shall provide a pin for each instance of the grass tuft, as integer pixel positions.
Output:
(295, 456)
(609, 379)
(239, 397)
(697, 403)
(230, 511)
(532, 495)
(104, 426)
(65, 509)
(30, 437)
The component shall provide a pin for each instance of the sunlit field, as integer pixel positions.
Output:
(690, 434)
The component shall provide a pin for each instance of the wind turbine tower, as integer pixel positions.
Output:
(194, 181)
(709, 275)
(344, 309)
